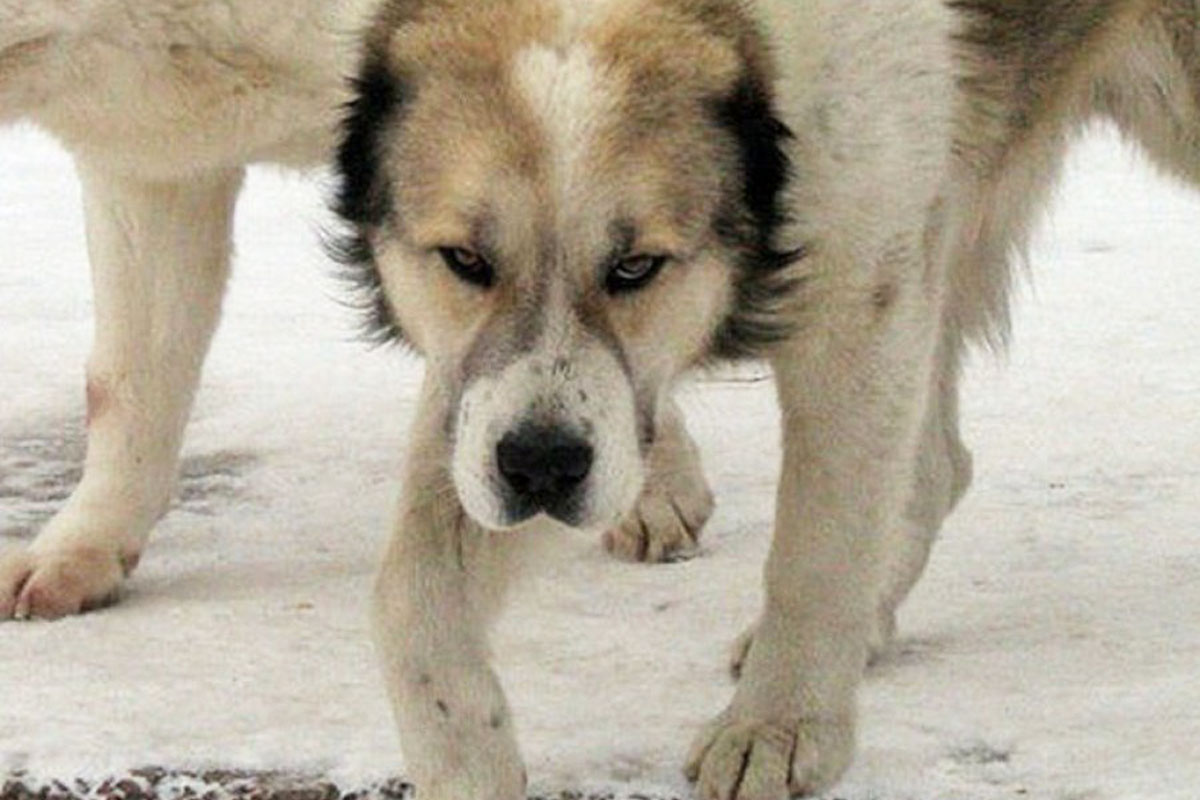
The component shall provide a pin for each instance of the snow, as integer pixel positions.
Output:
(1051, 651)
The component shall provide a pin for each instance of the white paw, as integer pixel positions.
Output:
(59, 581)
(664, 526)
(755, 759)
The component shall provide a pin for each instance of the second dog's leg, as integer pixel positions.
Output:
(160, 257)
(440, 584)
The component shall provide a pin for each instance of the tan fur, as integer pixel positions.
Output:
(558, 140)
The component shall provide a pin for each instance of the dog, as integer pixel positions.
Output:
(565, 206)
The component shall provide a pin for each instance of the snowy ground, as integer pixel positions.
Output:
(1052, 650)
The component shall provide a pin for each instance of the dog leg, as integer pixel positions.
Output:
(160, 256)
(852, 392)
(675, 504)
(941, 477)
(441, 582)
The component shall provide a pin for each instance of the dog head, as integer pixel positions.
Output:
(563, 206)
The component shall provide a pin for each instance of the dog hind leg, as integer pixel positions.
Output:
(160, 256)
(941, 477)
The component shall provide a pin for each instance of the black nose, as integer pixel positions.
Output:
(543, 464)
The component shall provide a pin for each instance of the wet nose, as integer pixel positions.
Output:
(543, 464)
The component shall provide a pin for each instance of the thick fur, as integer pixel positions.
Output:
(839, 187)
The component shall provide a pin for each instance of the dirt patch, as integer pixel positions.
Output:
(209, 481)
(39, 472)
(162, 784)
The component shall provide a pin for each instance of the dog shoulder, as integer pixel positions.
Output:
(869, 90)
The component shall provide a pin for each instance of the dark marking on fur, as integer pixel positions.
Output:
(750, 224)
(23, 54)
(884, 297)
(646, 405)
(460, 537)
(496, 720)
(443, 707)
(129, 562)
(364, 200)
(99, 398)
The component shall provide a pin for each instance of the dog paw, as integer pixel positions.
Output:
(59, 582)
(735, 759)
(664, 526)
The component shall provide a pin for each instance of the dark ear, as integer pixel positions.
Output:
(751, 221)
(364, 199)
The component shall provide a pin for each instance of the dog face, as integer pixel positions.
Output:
(563, 206)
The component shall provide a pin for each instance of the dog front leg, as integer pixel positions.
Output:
(160, 257)
(675, 503)
(441, 582)
(852, 390)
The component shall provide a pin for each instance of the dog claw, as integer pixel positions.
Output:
(57, 583)
(761, 760)
(659, 530)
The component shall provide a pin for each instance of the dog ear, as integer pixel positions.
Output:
(751, 221)
(364, 198)
(363, 195)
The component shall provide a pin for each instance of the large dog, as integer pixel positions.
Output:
(565, 205)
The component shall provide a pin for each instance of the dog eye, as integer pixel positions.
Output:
(633, 273)
(469, 266)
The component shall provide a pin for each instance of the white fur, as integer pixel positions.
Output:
(164, 103)
(566, 90)
(594, 397)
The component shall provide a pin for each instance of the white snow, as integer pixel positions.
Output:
(1051, 651)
